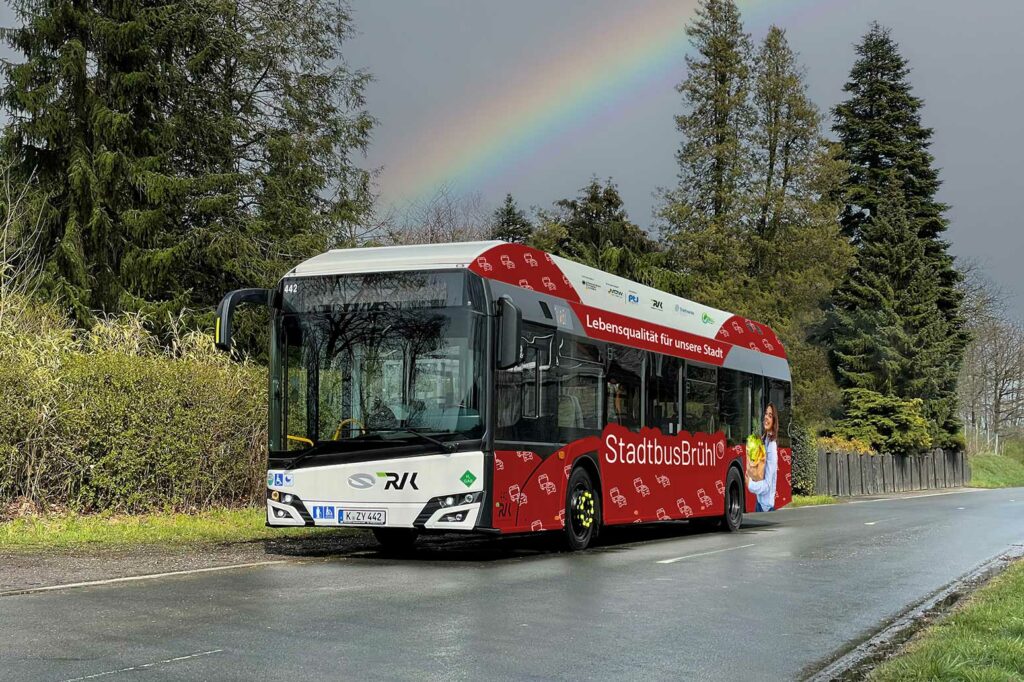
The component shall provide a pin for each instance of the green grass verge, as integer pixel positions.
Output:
(221, 525)
(809, 500)
(983, 640)
(996, 471)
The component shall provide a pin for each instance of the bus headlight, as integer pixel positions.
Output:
(459, 499)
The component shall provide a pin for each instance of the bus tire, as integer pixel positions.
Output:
(733, 517)
(396, 539)
(582, 510)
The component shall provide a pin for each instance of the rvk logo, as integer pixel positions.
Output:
(398, 481)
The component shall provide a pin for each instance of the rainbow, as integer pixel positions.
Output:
(598, 75)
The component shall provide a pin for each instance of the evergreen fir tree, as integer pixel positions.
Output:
(182, 149)
(798, 253)
(887, 330)
(703, 213)
(883, 140)
(594, 229)
(510, 224)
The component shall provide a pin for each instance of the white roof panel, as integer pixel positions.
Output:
(392, 258)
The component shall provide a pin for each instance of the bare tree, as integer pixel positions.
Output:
(991, 384)
(20, 262)
(444, 218)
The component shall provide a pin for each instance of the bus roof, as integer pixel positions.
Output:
(608, 307)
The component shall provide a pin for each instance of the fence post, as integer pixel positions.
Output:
(856, 475)
(821, 479)
(966, 467)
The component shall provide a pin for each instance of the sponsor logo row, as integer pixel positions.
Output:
(633, 298)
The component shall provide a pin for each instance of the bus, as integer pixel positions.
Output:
(491, 387)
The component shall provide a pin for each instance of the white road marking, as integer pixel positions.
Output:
(145, 665)
(843, 501)
(690, 556)
(914, 497)
(870, 523)
(134, 578)
(960, 508)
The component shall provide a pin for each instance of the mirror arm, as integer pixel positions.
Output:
(226, 312)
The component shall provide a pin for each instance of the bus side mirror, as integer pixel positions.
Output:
(510, 330)
(226, 312)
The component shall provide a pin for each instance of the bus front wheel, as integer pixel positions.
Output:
(582, 510)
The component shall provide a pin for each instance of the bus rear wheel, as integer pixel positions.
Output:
(396, 539)
(582, 510)
(733, 517)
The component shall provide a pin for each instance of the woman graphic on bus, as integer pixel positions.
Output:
(765, 489)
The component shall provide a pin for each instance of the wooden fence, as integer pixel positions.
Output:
(843, 474)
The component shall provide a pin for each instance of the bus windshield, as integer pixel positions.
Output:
(380, 356)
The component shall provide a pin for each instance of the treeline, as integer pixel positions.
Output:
(836, 243)
(171, 153)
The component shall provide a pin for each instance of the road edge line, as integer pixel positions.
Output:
(859, 657)
(137, 578)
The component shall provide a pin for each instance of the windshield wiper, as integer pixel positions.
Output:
(321, 448)
(447, 447)
(328, 446)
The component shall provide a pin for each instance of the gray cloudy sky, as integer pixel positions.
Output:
(534, 97)
(436, 63)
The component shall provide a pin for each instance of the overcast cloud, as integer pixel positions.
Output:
(440, 59)
(437, 60)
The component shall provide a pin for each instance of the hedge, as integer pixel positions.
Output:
(111, 420)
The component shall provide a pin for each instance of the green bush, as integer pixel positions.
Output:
(887, 423)
(110, 419)
(805, 459)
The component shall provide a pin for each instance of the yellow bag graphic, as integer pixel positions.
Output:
(755, 458)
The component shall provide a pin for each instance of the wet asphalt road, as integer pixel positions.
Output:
(767, 603)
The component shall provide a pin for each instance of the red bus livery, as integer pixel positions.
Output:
(491, 387)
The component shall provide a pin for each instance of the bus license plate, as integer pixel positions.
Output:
(363, 517)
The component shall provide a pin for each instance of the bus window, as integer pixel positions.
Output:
(701, 399)
(757, 414)
(663, 393)
(296, 389)
(780, 396)
(526, 394)
(624, 387)
(734, 401)
(580, 388)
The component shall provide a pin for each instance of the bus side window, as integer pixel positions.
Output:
(780, 396)
(701, 398)
(526, 393)
(757, 413)
(734, 400)
(663, 393)
(580, 388)
(624, 388)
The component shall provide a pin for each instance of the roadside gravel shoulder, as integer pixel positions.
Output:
(26, 569)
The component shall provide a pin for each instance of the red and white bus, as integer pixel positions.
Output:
(495, 388)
